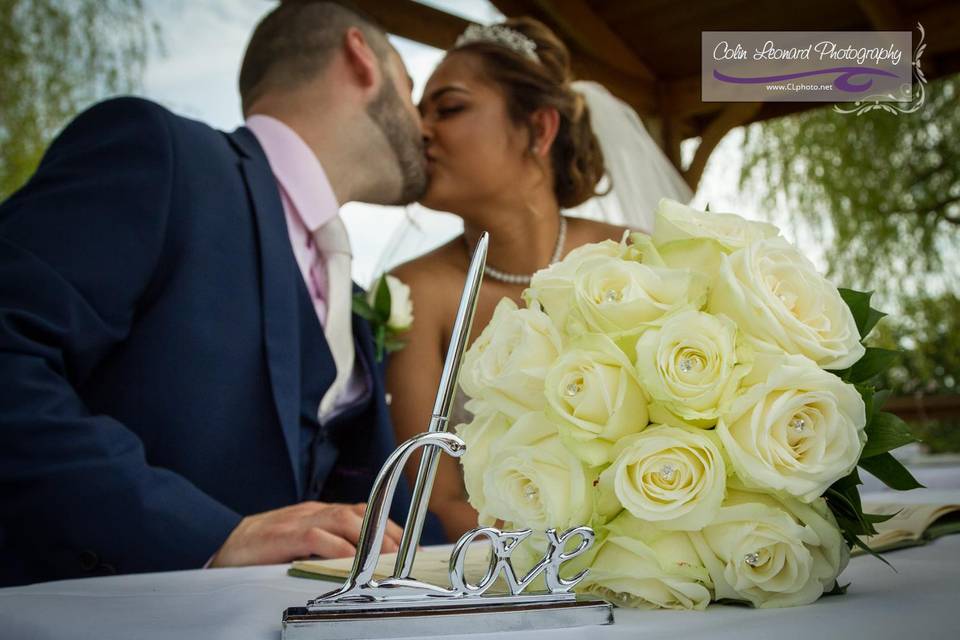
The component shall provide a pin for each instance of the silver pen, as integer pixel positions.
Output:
(441, 410)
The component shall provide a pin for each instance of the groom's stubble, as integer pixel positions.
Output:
(405, 139)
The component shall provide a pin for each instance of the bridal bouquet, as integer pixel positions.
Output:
(701, 398)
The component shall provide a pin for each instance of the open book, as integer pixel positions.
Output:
(432, 564)
(913, 524)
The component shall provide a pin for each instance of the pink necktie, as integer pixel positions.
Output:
(334, 256)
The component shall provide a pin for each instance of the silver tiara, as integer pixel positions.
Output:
(501, 35)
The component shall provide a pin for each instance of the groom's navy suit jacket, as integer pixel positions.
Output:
(160, 360)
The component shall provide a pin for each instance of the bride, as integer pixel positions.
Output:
(509, 145)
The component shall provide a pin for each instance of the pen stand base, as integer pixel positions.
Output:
(386, 620)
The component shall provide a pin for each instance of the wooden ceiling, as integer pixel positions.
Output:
(648, 51)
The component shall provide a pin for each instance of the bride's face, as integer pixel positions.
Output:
(475, 153)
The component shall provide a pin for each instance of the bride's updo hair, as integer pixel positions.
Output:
(528, 85)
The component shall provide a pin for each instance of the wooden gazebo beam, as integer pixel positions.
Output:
(436, 28)
(415, 21)
(581, 25)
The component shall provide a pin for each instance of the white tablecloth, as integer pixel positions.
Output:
(920, 600)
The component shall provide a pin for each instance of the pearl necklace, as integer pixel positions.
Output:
(519, 278)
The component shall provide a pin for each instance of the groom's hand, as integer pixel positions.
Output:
(299, 531)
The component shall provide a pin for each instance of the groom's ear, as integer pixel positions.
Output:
(362, 62)
(544, 122)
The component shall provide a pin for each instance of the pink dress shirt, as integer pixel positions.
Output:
(308, 203)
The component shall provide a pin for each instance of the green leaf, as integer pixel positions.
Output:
(879, 399)
(874, 362)
(873, 318)
(891, 472)
(885, 432)
(865, 316)
(849, 513)
(363, 309)
(877, 518)
(867, 394)
(837, 590)
(382, 302)
(857, 542)
(859, 304)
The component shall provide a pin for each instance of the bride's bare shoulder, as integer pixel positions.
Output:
(433, 275)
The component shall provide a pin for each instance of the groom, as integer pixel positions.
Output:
(182, 383)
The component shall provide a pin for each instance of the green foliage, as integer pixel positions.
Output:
(881, 191)
(57, 57)
(885, 432)
(927, 333)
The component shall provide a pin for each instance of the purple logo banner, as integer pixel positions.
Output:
(805, 66)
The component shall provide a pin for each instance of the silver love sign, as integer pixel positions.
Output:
(402, 606)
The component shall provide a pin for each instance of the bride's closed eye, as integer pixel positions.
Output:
(447, 111)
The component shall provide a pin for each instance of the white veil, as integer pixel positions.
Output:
(639, 170)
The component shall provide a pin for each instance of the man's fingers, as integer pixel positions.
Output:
(340, 520)
(327, 545)
(394, 533)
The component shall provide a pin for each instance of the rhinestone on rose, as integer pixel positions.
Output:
(686, 365)
(798, 424)
(572, 389)
(531, 493)
(753, 559)
(667, 471)
(612, 296)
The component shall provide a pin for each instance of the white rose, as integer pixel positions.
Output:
(508, 362)
(690, 366)
(595, 399)
(401, 306)
(776, 297)
(532, 480)
(621, 298)
(480, 435)
(552, 288)
(795, 427)
(640, 565)
(673, 476)
(677, 222)
(771, 552)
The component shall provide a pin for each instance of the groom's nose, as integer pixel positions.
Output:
(426, 131)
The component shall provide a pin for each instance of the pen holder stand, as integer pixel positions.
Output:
(402, 606)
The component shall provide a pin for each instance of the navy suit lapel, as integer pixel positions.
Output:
(278, 282)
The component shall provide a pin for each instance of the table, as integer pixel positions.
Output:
(920, 601)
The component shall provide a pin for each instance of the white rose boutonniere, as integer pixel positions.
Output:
(389, 309)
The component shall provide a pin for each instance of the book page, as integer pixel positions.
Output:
(432, 565)
(908, 525)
